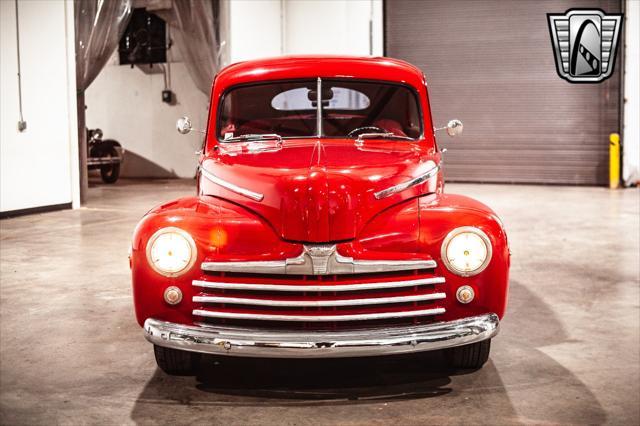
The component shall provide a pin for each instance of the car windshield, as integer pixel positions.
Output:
(348, 108)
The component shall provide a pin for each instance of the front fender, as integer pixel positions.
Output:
(421, 225)
(220, 229)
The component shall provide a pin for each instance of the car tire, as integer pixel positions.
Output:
(110, 173)
(469, 357)
(176, 362)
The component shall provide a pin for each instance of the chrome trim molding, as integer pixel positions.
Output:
(253, 137)
(408, 184)
(319, 259)
(318, 303)
(460, 230)
(230, 186)
(320, 288)
(317, 318)
(235, 341)
(257, 267)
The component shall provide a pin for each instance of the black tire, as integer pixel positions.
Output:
(469, 357)
(175, 362)
(110, 173)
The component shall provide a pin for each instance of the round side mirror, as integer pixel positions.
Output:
(183, 125)
(454, 127)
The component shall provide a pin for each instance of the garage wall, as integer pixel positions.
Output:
(333, 27)
(255, 29)
(38, 167)
(523, 123)
(284, 27)
(126, 103)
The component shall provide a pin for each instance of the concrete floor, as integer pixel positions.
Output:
(568, 352)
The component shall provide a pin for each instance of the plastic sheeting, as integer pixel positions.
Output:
(99, 26)
(197, 37)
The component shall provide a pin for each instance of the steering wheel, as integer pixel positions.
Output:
(366, 129)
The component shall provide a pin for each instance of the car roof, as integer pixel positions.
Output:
(296, 67)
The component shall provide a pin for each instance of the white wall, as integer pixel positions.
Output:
(126, 103)
(38, 167)
(338, 27)
(273, 27)
(631, 147)
(254, 29)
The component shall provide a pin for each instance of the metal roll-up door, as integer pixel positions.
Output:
(491, 64)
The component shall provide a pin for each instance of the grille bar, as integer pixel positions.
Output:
(317, 318)
(319, 288)
(319, 303)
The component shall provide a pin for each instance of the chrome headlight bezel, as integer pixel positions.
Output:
(462, 230)
(183, 234)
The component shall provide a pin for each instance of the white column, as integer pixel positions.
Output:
(631, 141)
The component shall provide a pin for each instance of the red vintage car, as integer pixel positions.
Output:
(320, 227)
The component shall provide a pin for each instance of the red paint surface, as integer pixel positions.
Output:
(319, 191)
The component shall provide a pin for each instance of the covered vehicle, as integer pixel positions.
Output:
(320, 227)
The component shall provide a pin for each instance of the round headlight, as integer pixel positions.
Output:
(466, 251)
(171, 251)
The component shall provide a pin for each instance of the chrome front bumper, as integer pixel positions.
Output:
(338, 344)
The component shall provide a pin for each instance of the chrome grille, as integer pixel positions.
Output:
(318, 303)
(230, 298)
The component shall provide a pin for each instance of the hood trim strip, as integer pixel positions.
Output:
(230, 186)
(408, 184)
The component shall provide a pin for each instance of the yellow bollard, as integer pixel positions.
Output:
(614, 160)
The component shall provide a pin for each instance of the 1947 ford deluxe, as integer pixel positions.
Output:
(320, 227)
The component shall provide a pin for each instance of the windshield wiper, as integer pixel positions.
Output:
(254, 137)
(387, 135)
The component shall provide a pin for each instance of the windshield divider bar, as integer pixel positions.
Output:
(319, 107)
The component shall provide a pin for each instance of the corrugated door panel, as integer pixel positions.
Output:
(490, 64)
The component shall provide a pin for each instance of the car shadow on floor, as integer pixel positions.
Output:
(267, 391)
(328, 380)
(307, 382)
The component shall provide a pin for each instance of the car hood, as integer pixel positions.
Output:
(317, 190)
